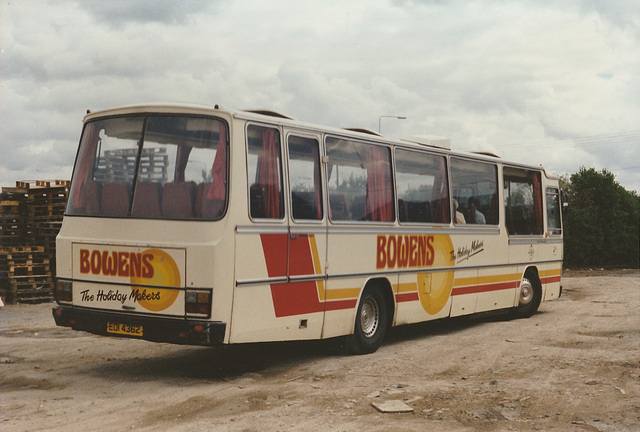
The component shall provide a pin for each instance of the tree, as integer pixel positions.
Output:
(601, 221)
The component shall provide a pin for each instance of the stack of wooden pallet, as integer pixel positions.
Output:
(30, 219)
(119, 165)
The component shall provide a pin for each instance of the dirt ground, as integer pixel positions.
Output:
(573, 366)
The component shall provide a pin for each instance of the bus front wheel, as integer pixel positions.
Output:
(371, 322)
(529, 298)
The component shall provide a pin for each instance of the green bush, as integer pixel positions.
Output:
(601, 222)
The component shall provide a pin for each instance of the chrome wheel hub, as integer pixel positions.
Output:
(369, 317)
(526, 292)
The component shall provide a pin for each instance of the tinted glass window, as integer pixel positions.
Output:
(522, 201)
(475, 192)
(359, 178)
(554, 226)
(170, 167)
(304, 177)
(421, 184)
(264, 165)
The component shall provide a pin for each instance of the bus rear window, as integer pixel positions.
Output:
(159, 167)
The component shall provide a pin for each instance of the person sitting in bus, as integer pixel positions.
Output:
(475, 215)
(459, 215)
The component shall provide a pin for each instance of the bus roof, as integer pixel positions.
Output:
(436, 144)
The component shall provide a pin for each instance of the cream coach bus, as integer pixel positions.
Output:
(202, 225)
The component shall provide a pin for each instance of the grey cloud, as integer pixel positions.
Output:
(620, 13)
(118, 12)
(518, 71)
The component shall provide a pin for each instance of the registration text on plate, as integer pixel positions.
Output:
(125, 329)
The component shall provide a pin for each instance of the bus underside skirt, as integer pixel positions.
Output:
(152, 329)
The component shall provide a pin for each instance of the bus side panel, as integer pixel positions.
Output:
(350, 253)
(550, 272)
(497, 288)
(550, 278)
(422, 296)
(340, 308)
(523, 251)
(266, 307)
(255, 317)
(464, 297)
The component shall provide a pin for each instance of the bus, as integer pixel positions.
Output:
(206, 226)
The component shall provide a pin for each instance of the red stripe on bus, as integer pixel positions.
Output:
(550, 279)
(340, 304)
(275, 248)
(405, 297)
(300, 258)
(474, 289)
(293, 298)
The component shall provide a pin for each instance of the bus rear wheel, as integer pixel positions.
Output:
(371, 322)
(529, 298)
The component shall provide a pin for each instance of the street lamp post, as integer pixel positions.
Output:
(389, 116)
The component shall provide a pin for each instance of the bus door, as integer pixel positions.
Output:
(304, 295)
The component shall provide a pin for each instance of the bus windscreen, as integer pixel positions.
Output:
(157, 167)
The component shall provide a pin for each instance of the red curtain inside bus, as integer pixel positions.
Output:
(85, 162)
(379, 201)
(268, 174)
(217, 190)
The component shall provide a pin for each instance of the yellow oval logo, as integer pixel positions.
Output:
(165, 273)
(435, 288)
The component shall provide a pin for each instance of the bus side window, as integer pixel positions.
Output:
(475, 186)
(421, 181)
(359, 178)
(265, 173)
(554, 227)
(304, 178)
(523, 201)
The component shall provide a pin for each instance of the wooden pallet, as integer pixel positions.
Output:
(22, 249)
(17, 270)
(24, 259)
(34, 193)
(43, 183)
(13, 238)
(40, 294)
(12, 208)
(30, 219)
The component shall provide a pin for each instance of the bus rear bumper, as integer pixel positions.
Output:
(178, 331)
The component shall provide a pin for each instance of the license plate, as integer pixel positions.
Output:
(124, 329)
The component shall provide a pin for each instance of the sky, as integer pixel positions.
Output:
(552, 83)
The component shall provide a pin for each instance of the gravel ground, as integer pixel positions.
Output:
(573, 366)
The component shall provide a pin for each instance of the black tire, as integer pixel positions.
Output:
(529, 298)
(372, 320)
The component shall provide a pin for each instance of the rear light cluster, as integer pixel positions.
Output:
(63, 291)
(197, 303)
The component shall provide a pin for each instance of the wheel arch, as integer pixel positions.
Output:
(531, 272)
(387, 290)
(527, 302)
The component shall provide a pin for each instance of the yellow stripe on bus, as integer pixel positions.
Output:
(406, 287)
(553, 272)
(317, 267)
(343, 293)
(480, 280)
